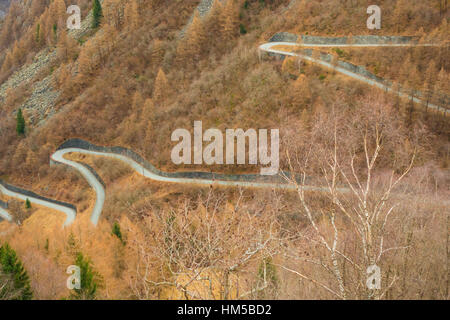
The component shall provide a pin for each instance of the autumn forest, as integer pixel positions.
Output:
(87, 176)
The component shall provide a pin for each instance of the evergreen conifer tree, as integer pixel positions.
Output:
(20, 127)
(117, 232)
(38, 32)
(96, 13)
(28, 204)
(89, 279)
(11, 265)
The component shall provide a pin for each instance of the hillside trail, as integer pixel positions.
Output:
(44, 59)
(5, 215)
(269, 48)
(99, 189)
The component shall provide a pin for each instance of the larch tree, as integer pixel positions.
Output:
(146, 126)
(182, 53)
(301, 93)
(137, 103)
(63, 79)
(196, 38)
(148, 111)
(85, 61)
(213, 21)
(161, 87)
(31, 162)
(430, 73)
(47, 22)
(301, 9)
(71, 46)
(62, 50)
(105, 42)
(291, 65)
(190, 47)
(427, 91)
(413, 81)
(37, 7)
(20, 153)
(59, 13)
(17, 54)
(129, 130)
(157, 52)
(443, 7)
(403, 75)
(229, 21)
(400, 14)
(132, 16)
(114, 12)
(428, 86)
(7, 63)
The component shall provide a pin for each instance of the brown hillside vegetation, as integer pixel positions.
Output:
(137, 78)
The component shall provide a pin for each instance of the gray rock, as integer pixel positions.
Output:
(284, 37)
(3, 204)
(203, 9)
(43, 97)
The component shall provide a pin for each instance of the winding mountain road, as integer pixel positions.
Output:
(70, 213)
(5, 215)
(151, 172)
(269, 48)
(58, 156)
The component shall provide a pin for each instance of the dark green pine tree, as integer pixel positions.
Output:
(10, 264)
(96, 13)
(117, 232)
(20, 125)
(55, 32)
(89, 280)
(38, 30)
(28, 204)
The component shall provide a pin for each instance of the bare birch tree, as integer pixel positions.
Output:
(347, 234)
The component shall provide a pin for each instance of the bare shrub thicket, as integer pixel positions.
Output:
(206, 249)
(367, 218)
